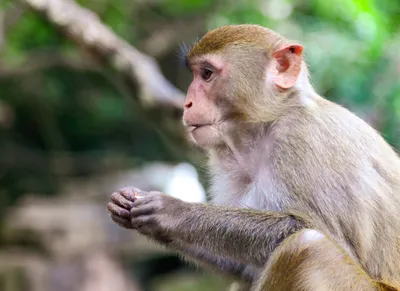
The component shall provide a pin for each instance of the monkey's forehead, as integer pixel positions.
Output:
(234, 35)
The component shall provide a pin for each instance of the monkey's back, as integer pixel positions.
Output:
(346, 178)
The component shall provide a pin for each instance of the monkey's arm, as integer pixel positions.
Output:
(120, 207)
(228, 266)
(245, 236)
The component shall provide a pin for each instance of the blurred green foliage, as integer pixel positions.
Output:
(86, 118)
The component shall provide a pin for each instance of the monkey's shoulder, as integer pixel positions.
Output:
(329, 146)
(328, 127)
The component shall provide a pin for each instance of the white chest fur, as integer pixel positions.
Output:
(254, 192)
(245, 178)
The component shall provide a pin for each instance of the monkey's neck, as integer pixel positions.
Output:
(239, 145)
(232, 147)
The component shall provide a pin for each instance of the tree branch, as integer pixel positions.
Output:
(85, 28)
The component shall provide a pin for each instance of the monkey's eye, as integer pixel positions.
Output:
(206, 74)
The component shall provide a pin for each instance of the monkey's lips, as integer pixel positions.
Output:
(193, 127)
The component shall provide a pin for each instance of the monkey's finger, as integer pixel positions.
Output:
(128, 193)
(144, 210)
(142, 201)
(132, 193)
(117, 210)
(121, 200)
(123, 222)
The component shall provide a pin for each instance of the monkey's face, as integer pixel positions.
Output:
(205, 111)
(237, 85)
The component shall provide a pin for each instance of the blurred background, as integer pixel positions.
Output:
(90, 101)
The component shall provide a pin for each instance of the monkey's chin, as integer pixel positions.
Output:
(206, 136)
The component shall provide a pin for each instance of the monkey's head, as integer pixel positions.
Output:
(241, 74)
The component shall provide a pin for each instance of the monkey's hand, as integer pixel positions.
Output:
(157, 215)
(121, 205)
(153, 214)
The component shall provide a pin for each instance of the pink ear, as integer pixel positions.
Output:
(288, 65)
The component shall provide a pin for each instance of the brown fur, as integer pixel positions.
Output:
(295, 259)
(307, 194)
(219, 39)
(326, 163)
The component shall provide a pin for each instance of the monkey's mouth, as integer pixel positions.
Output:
(193, 127)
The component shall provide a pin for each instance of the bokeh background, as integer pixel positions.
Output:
(90, 98)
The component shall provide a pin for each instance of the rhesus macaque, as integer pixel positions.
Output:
(306, 195)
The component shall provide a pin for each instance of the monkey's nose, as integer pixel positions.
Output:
(188, 105)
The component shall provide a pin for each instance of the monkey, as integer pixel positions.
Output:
(305, 194)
